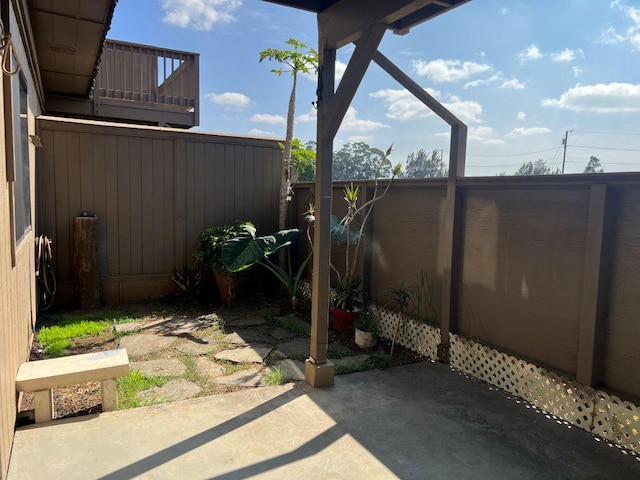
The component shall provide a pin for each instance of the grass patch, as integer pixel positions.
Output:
(57, 338)
(294, 324)
(274, 376)
(230, 367)
(376, 361)
(134, 383)
(193, 374)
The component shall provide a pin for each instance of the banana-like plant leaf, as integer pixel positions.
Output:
(339, 232)
(245, 249)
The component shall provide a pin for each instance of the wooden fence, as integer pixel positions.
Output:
(153, 190)
(548, 268)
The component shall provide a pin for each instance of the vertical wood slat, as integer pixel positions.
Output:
(100, 202)
(111, 211)
(61, 243)
(590, 366)
(146, 190)
(180, 261)
(158, 202)
(124, 206)
(169, 205)
(135, 202)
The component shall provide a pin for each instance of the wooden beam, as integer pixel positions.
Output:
(590, 365)
(346, 20)
(357, 67)
(419, 92)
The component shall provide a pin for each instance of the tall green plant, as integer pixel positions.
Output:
(300, 59)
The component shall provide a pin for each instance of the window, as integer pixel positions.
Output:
(22, 186)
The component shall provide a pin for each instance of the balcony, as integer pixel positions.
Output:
(140, 84)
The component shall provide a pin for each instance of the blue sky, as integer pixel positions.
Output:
(520, 73)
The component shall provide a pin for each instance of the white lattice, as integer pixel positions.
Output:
(617, 420)
(416, 336)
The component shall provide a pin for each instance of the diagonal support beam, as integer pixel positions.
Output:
(357, 67)
(419, 92)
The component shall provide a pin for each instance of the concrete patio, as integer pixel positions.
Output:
(418, 421)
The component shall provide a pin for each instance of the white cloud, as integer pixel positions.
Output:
(521, 116)
(257, 131)
(351, 123)
(484, 81)
(512, 84)
(402, 105)
(566, 55)
(229, 99)
(340, 68)
(310, 116)
(199, 14)
(485, 135)
(599, 98)
(577, 71)
(268, 118)
(504, 11)
(448, 70)
(532, 52)
(527, 132)
(631, 35)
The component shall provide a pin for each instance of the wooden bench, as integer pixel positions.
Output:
(42, 376)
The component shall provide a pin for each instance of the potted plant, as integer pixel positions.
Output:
(231, 286)
(366, 328)
(349, 232)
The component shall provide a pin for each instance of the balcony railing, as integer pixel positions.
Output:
(161, 82)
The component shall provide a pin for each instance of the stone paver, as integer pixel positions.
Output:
(248, 354)
(243, 378)
(349, 361)
(252, 321)
(338, 350)
(296, 322)
(243, 337)
(197, 346)
(145, 344)
(181, 325)
(295, 348)
(280, 333)
(209, 369)
(129, 327)
(291, 369)
(172, 391)
(169, 367)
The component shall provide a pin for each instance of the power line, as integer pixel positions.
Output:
(510, 154)
(607, 148)
(609, 133)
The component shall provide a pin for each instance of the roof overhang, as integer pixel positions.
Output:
(344, 20)
(69, 36)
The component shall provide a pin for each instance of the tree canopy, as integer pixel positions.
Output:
(593, 166)
(421, 164)
(359, 161)
(539, 167)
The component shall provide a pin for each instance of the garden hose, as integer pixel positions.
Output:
(46, 284)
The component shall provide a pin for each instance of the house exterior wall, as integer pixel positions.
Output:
(523, 263)
(17, 279)
(153, 190)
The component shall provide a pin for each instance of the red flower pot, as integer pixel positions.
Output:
(343, 319)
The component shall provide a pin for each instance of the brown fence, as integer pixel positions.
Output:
(153, 190)
(526, 283)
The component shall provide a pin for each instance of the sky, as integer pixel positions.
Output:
(519, 73)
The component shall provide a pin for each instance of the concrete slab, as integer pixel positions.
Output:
(295, 348)
(142, 344)
(241, 322)
(291, 369)
(170, 367)
(197, 346)
(248, 354)
(414, 422)
(172, 391)
(244, 378)
(280, 333)
(179, 325)
(209, 369)
(244, 337)
(132, 327)
(349, 361)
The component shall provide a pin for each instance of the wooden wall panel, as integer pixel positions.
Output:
(153, 190)
(522, 272)
(622, 338)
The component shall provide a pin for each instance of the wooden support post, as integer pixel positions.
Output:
(452, 241)
(590, 366)
(318, 371)
(85, 262)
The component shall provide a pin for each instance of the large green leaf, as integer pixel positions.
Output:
(339, 232)
(245, 250)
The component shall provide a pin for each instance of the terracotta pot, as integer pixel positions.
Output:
(366, 339)
(233, 286)
(343, 319)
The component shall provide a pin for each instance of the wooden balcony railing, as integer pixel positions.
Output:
(156, 79)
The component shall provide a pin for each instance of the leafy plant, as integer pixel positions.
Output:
(245, 250)
(210, 241)
(188, 284)
(130, 386)
(402, 296)
(274, 376)
(367, 321)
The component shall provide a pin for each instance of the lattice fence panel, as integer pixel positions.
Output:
(416, 336)
(557, 395)
(617, 420)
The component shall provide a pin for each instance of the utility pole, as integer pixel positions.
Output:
(564, 143)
